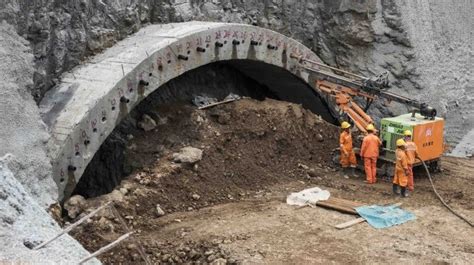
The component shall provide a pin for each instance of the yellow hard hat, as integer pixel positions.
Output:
(370, 127)
(407, 133)
(345, 125)
(401, 142)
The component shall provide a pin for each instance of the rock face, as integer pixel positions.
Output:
(442, 38)
(24, 224)
(414, 40)
(63, 33)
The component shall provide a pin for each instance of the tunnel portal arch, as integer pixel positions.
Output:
(84, 108)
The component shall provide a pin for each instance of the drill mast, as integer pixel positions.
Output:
(344, 86)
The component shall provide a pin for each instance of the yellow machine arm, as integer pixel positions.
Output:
(344, 86)
(343, 97)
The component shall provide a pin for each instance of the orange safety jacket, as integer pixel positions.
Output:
(345, 141)
(411, 151)
(401, 166)
(370, 146)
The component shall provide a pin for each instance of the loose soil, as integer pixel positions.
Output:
(230, 206)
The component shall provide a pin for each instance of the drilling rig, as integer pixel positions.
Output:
(346, 89)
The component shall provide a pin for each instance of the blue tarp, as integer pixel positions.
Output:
(384, 216)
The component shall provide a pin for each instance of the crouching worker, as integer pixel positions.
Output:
(400, 178)
(348, 158)
(412, 153)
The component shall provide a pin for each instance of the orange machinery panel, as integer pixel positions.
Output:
(429, 138)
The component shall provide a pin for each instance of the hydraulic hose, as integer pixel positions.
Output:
(441, 199)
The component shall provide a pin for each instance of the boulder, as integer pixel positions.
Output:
(160, 212)
(75, 206)
(188, 155)
(115, 196)
(147, 123)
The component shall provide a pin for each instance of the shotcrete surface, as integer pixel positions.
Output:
(26, 184)
(24, 222)
(22, 133)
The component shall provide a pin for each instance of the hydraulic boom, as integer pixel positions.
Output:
(343, 86)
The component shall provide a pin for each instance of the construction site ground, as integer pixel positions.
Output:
(230, 206)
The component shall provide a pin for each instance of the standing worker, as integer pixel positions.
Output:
(348, 158)
(400, 178)
(370, 152)
(412, 153)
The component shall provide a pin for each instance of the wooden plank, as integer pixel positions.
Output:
(335, 206)
(341, 205)
(350, 223)
(345, 202)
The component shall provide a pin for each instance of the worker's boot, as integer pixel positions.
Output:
(404, 192)
(345, 172)
(395, 189)
(353, 172)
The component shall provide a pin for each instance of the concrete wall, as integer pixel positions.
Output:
(92, 99)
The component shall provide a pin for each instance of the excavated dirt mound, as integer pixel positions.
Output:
(247, 146)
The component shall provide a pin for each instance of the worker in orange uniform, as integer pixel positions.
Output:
(400, 178)
(348, 158)
(370, 152)
(412, 153)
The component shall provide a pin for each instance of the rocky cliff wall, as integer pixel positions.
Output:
(442, 36)
(64, 33)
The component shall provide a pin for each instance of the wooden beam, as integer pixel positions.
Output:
(337, 207)
(350, 223)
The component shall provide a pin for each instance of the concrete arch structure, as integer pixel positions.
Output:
(84, 108)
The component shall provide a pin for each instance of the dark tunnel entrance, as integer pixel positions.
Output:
(242, 77)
